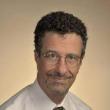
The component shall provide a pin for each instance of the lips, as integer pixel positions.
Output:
(58, 80)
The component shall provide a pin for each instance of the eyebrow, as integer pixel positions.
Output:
(73, 55)
(49, 50)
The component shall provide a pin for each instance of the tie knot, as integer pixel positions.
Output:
(59, 108)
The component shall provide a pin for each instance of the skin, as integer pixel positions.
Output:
(56, 80)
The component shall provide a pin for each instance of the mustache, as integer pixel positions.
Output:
(58, 75)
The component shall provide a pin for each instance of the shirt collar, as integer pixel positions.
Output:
(41, 99)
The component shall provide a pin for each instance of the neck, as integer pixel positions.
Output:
(56, 97)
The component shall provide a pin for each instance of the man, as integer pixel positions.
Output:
(60, 42)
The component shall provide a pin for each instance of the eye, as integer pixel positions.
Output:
(72, 58)
(51, 55)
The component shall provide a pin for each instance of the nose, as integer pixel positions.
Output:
(61, 66)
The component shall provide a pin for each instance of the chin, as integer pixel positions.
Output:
(59, 89)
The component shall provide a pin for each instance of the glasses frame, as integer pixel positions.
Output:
(47, 55)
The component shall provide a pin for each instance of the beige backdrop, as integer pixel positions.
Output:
(18, 19)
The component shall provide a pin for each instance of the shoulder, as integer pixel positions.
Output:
(77, 102)
(17, 100)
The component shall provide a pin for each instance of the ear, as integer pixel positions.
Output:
(36, 56)
(81, 62)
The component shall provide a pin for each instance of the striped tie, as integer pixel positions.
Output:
(59, 108)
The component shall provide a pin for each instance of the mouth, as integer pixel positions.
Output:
(57, 80)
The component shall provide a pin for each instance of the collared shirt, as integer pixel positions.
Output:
(33, 97)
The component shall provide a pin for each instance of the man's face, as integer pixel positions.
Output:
(57, 66)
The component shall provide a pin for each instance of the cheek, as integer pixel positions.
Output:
(75, 71)
(42, 70)
(43, 67)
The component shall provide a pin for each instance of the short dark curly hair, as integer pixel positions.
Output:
(62, 23)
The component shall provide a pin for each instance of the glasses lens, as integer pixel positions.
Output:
(72, 60)
(53, 57)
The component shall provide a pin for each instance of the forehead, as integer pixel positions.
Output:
(62, 43)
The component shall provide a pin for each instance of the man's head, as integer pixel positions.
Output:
(62, 23)
(60, 42)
